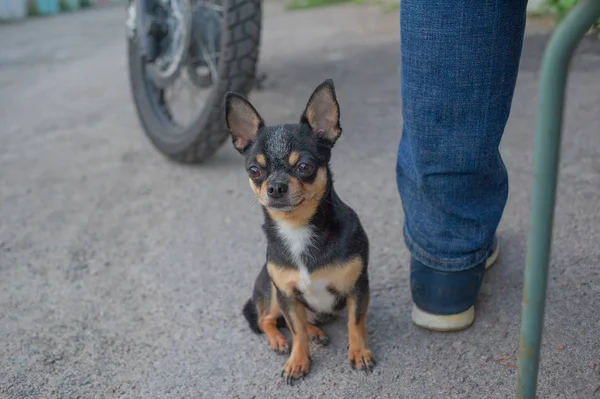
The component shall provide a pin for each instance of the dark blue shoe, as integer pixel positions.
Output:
(444, 301)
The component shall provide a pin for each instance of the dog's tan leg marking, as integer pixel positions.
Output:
(359, 354)
(298, 363)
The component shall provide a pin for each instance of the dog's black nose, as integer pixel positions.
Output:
(276, 189)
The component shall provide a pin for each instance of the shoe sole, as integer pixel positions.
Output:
(454, 322)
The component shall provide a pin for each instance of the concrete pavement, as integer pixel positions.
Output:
(123, 275)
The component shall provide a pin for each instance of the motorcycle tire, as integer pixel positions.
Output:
(240, 42)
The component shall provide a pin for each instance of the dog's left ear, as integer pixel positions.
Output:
(322, 113)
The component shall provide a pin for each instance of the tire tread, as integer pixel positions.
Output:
(239, 55)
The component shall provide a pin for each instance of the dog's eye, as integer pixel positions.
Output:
(254, 172)
(305, 168)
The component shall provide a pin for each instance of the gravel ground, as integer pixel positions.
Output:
(122, 275)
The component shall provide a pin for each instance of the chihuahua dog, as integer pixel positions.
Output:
(317, 250)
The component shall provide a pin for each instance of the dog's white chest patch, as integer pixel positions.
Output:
(298, 240)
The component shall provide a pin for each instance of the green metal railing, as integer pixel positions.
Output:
(553, 80)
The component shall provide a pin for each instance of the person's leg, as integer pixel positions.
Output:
(459, 67)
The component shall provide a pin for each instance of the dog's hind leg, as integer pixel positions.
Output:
(317, 335)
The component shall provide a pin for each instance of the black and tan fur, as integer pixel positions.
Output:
(317, 250)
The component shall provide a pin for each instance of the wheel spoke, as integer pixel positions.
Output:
(199, 73)
(212, 6)
(208, 59)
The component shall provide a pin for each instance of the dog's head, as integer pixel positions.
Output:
(287, 164)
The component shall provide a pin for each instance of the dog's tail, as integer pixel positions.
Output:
(251, 315)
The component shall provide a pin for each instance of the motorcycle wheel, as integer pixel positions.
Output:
(204, 131)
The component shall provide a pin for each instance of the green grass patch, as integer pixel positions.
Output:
(385, 5)
(563, 7)
(303, 4)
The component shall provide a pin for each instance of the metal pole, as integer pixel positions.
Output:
(553, 81)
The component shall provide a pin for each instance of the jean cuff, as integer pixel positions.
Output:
(448, 264)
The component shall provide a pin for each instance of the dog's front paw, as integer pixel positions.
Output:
(361, 359)
(295, 368)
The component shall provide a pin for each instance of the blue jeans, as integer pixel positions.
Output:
(459, 67)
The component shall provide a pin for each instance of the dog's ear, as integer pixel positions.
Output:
(322, 112)
(242, 120)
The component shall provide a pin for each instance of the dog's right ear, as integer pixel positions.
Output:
(242, 121)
